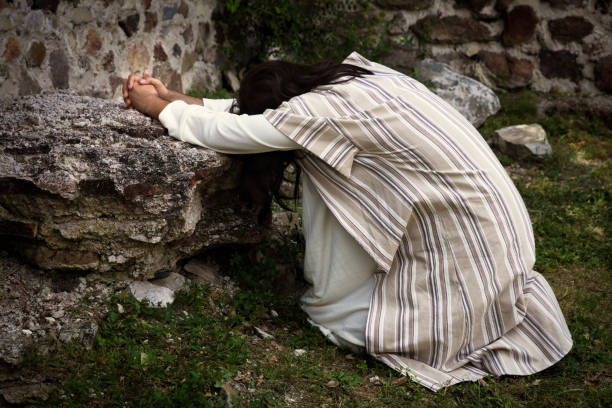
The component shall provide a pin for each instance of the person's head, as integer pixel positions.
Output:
(269, 84)
(266, 86)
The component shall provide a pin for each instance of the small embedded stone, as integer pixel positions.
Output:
(36, 54)
(603, 74)
(129, 25)
(93, 41)
(59, 68)
(523, 141)
(28, 86)
(560, 64)
(138, 57)
(565, 3)
(150, 21)
(157, 296)
(12, 49)
(159, 54)
(520, 26)
(36, 21)
(176, 50)
(474, 5)
(183, 9)
(81, 15)
(568, 29)
(509, 71)
(108, 61)
(50, 5)
(169, 11)
(5, 23)
(411, 5)
(187, 34)
(452, 30)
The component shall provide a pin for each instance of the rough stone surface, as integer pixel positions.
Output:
(60, 69)
(520, 26)
(36, 305)
(474, 100)
(568, 29)
(507, 71)
(36, 54)
(451, 29)
(559, 64)
(157, 296)
(26, 393)
(87, 185)
(405, 4)
(129, 25)
(603, 74)
(523, 141)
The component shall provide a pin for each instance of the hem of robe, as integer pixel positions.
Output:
(538, 342)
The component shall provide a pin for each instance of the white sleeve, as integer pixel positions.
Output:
(223, 131)
(217, 105)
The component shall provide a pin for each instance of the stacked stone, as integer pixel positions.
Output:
(548, 45)
(90, 46)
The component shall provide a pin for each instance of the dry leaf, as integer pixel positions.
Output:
(332, 384)
(482, 382)
(536, 382)
(349, 357)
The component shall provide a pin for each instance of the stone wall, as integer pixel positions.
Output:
(547, 45)
(90, 45)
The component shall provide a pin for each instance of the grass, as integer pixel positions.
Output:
(202, 350)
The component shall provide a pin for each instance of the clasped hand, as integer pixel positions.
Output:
(145, 94)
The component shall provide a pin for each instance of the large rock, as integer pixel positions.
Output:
(474, 100)
(86, 184)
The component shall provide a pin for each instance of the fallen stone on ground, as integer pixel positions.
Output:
(471, 98)
(174, 281)
(157, 296)
(523, 142)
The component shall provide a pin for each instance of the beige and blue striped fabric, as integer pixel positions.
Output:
(418, 188)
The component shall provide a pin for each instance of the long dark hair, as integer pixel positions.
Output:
(266, 86)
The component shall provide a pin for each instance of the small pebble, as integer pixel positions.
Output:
(299, 352)
(27, 332)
